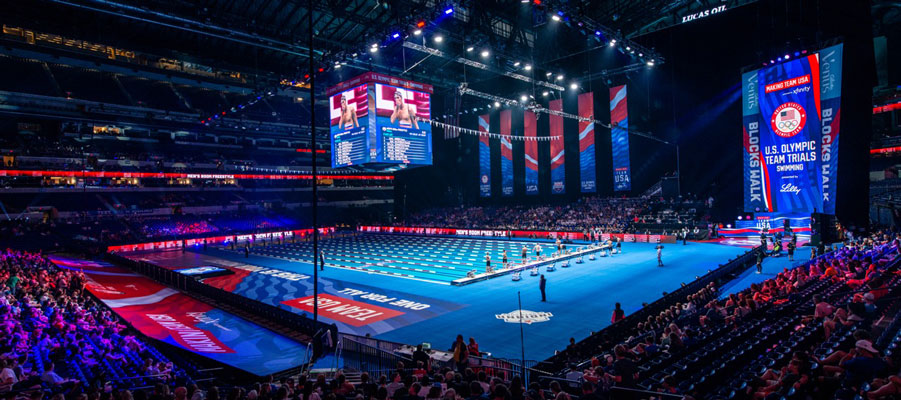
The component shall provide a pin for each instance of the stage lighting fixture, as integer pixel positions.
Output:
(612, 42)
(559, 77)
(439, 39)
(641, 54)
(516, 64)
(523, 98)
(544, 93)
(555, 17)
(395, 35)
(354, 55)
(470, 49)
(485, 53)
(528, 67)
(497, 104)
(597, 33)
(628, 48)
(448, 11)
(797, 53)
(786, 56)
(337, 66)
(373, 49)
(537, 2)
(548, 74)
(650, 63)
(573, 86)
(772, 61)
(417, 32)
(489, 105)
(420, 24)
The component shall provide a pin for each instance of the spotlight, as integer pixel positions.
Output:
(612, 42)
(597, 33)
(337, 66)
(772, 61)
(559, 77)
(470, 49)
(395, 35)
(548, 74)
(420, 24)
(497, 104)
(417, 32)
(485, 53)
(544, 93)
(786, 56)
(573, 86)
(528, 67)
(516, 64)
(628, 48)
(376, 45)
(354, 55)
(373, 49)
(650, 63)
(523, 98)
(448, 11)
(640, 54)
(555, 17)
(489, 105)
(439, 39)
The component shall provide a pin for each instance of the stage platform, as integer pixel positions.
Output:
(580, 298)
(177, 319)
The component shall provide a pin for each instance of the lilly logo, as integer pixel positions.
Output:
(790, 188)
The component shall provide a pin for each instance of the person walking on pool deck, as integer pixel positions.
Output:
(659, 255)
(542, 284)
(321, 260)
(487, 262)
(504, 260)
(618, 314)
(525, 253)
(760, 256)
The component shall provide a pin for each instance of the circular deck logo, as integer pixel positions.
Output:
(528, 317)
(788, 119)
(484, 179)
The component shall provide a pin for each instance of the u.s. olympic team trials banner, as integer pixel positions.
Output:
(619, 138)
(173, 317)
(506, 154)
(530, 128)
(781, 124)
(586, 143)
(830, 106)
(484, 158)
(558, 167)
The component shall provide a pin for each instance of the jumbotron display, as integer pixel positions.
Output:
(395, 134)
(790, 116)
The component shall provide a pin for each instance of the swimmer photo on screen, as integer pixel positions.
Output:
(347, 113)
(401, 120)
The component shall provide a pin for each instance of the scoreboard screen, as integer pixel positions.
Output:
(396, 134)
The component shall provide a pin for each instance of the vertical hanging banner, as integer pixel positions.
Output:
(558, 170)
(830, 105)
(586, 144)
(506, 154)
(782, 131)
(484, 157)
(619, 137)
(530, 127)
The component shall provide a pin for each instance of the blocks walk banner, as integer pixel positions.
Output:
(782, 129)
(586, 144)
(830, 112)
(619, 137)
(558, 170)
(506, 154)
(530, 125)
(484, 157)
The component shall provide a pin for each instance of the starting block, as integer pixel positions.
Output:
(516, 277)
(533, 272)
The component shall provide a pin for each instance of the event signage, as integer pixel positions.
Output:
(619, 138)
(586, 143)
(558, 167)
(790, 124)
(530, 127)
(484, 157)
(506, 154)
(513, 233)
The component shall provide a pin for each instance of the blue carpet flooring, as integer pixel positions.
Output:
(581, 297)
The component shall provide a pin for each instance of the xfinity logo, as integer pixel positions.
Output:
(702, 14)
(524, 316)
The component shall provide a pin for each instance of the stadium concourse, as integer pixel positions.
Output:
(450, 200)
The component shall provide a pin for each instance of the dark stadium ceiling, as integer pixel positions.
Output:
(272, 36)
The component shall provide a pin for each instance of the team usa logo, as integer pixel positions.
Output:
(788, 119)
(484, 179)
(528, 317)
